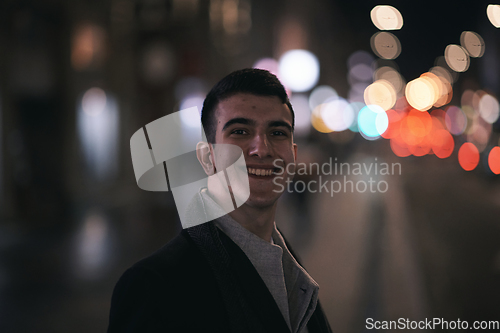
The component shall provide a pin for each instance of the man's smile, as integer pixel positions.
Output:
(262, 172)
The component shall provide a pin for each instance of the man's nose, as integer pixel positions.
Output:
(260, 146)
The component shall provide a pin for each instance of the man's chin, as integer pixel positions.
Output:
(261, 202)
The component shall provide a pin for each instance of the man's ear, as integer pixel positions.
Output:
(205, 155)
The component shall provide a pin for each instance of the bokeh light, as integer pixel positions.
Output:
(442, 73)
(93, 246)
(269, 64)
(402, 104)
(98, 124)
(446, 93)
(442, 88)
(158, 63)
(380, 93)
(442, 143)
(394, 124)
(399, 148)
(455, 120)
(479, 133)
(88, 46)
(457, 58)
(415, 126)
(386, 17)
(441, 62)
(360, 57)
(299, 70)
(468, 156)
(438, 119)
(473, 43)
(356, 107)
(420, 94)
(472, 116)
(187, 102)
(372, 121)
(317, 121)
(338, 114)
(390, 75)
(493, 12)
(94, 101)
(476, 98)
(494, 160)
(422, 148)
(466, 99)
(489, 108)
(361, 72)
(385, 45)
(320, 94)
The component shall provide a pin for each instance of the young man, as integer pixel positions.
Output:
(235, 273)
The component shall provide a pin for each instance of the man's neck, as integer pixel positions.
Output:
(259, 221)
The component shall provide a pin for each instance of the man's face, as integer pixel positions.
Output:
(261, 127)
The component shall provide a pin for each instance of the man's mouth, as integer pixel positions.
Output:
(262, 172)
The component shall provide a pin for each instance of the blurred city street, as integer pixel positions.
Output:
(411, 86)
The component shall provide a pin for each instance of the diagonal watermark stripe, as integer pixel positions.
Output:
(173, 150)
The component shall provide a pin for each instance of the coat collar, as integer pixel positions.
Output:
(249, 304)
(240, 248)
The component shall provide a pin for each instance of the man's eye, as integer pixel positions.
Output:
(279, 133)
(238, 131)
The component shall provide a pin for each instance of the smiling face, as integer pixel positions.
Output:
(262, 127)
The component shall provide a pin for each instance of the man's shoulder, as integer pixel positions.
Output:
(179, 256)
(161, 291)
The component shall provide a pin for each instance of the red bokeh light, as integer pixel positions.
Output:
(494, 160)
(468, 156)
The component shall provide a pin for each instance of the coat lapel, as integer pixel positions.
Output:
(249, 304)
(254, 288)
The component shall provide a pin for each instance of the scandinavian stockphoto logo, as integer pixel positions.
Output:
(335, 177)
(164, 159)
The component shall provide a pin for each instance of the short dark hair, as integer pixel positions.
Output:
(249, 80)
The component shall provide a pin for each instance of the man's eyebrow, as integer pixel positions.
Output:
(244, 121)
(280, 123)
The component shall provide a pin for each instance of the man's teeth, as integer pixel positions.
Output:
(260, 172)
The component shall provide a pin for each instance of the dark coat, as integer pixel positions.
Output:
(201, 281)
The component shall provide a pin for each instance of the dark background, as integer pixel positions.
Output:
(428, 247)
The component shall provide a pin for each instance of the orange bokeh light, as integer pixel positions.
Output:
(442, 143)
(439, 115)
(394, 124)
(399, 148)
(494, 160)
(468, 156)
(317, 121)
(415, 126)
(421, 148)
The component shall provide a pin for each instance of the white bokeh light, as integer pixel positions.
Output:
(188, 102)
(338, 114)
(386, 17)
(98, 124)
(269, 64)
(320, 94)
(493, 12)
(94, 101)
(489, 108)
(299, 70)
